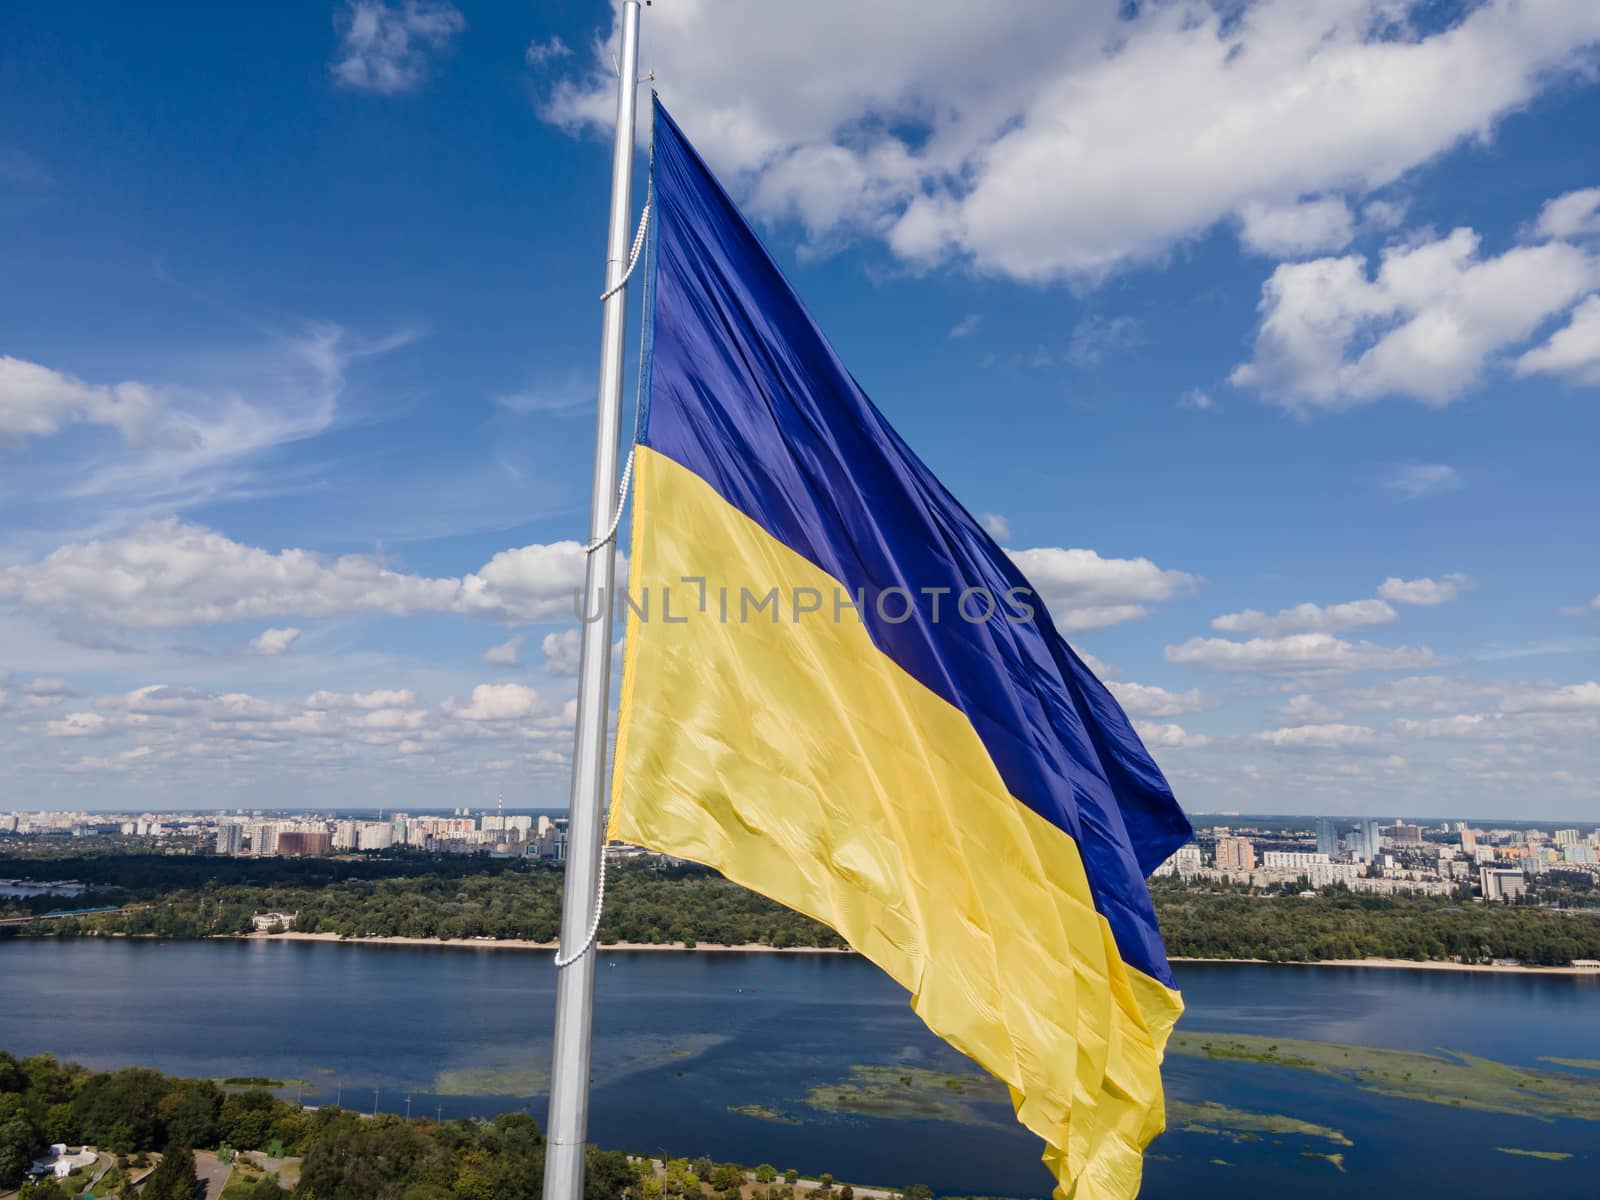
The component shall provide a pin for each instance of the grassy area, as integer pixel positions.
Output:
(912, 1094)
(1242, 1125)
(762, 1112)
(1583, 1064)
(1461, 1080)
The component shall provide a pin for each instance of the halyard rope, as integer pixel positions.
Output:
(563, 961)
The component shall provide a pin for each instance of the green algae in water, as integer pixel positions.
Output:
(1450, 1078)
(1239, 1124)
(528, 1072)
(1583, 1064)
(890, 1092)
(762, 1112)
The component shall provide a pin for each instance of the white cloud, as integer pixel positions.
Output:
(274, 641)
(1413, 481)
(997, 526)
(1572, 351)
(539, 53)
(1574, 697)
(384, 48)
(1307, 618)
(506, 654)
(1531, 727)
(1425, 326)
(568, 394)
(187, 444)
(1039, 148)
(1169, 737)
(36, 401)
(1425, 593)
(561, 652)
(495, 702)
(1305, 708)
(1425, 693)
(381, 698)
(967, 326)
(167, 574)
(78, 724)
(1576, 214)
(1301, 653)
(1296, 229)
(530, 583)
(1147, 700)
(1086, 591)
(1319, 736)
(1383, 215)
(1096, 338)
(48, 688)
(1197, 399)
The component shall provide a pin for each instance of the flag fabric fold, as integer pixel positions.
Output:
(840, 692)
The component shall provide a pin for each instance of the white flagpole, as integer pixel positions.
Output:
(568, 1122)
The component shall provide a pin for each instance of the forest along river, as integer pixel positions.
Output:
(1310, 1081)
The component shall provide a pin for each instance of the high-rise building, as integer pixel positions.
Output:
(375, 835)
(1499, 884)
(1405, 835)
(1567, 837)
(302, 844)
(1185, 860)
(1367, 842)
(1236, 854)
(1292, 860)
(230, 839)
(1327, 836)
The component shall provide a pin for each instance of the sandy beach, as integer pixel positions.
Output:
(1399, 964)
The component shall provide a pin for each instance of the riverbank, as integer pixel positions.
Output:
(524, 944)
(757, 948)
(1407, 964)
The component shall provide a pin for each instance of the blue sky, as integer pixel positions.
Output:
(1270, 342)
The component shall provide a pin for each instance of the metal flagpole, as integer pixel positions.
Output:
(568, 1122)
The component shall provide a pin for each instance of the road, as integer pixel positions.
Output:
(62, 916)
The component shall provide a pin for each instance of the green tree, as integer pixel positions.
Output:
(246, 1118)
(174, 1177)
(121, 1111)
(190, 1111)
(766, 1173)
(17, 1141)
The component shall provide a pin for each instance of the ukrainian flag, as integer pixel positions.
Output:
(934, 773)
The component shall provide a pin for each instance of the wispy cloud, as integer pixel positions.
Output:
(539, 53)
(1096, 338)
(174, 445)
(1413, 481)
(384, 48)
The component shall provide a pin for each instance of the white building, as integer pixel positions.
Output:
(1293, 860)
(1185, 860)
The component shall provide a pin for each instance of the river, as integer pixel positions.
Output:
(683, 1040)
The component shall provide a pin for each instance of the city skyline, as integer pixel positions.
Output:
(1296, 437)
